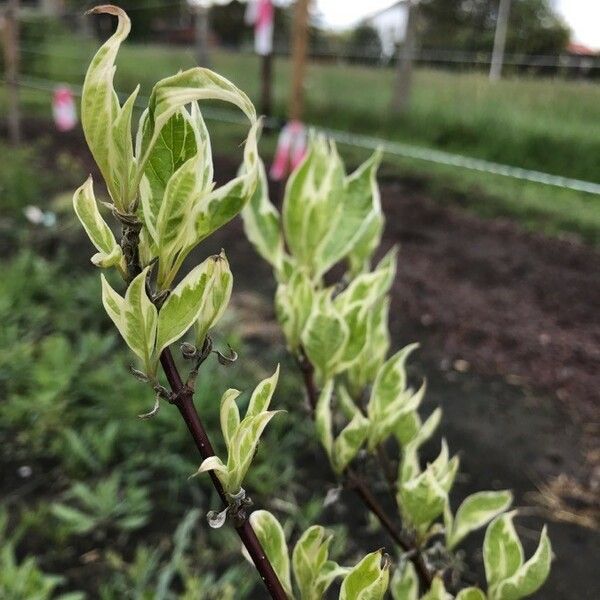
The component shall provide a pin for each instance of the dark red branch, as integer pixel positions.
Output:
(184, 400)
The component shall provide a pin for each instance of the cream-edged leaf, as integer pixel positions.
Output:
(86, 208)
(405, 583)
(229, 415)
(349, 442)
(107, 126)
(185, 303)
(173, 93)
(262, 222)
(272, 539)
(368, 580)
(476, 511)
(471, 594)
(262, 394)
(136, 318)
(323, 418)
(528, 578)
(217, 300)
(502, 550)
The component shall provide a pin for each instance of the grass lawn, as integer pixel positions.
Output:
(543, 124)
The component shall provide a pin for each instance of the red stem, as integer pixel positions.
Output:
(356, 483)
(184, 400)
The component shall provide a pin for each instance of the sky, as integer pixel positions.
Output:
(583, 16)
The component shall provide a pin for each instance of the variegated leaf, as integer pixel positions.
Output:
(360, 204)
(261, 397)
(390, 382)
(107, 125)
(405, 583)
(173, 93)
(502, 550)
(217, 300)
(323, 418)
(349, 442)
(324, 339)
(262, 222)
(471, 594)
(529, 577)
(214, 463)
(311, 206)
(109, 252)
(135, 317)
(437, 591)
(475, 512)
(272, 539)
(186, 302)
(230, 415)
(422, 500)
(313, 571)
(368, 580)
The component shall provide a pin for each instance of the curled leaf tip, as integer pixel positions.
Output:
(109, 9)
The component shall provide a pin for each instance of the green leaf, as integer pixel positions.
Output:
(293, 305)
(502, 550)
(187, 301)
(262, 222)
(437, 591)
(214, 463)
(349, 442)
(230, 415)
(367, 288)
(313, 571)
(357, 321)
(107, 125)
(76, 520)
(405, 583)
(368, 580)
(261, 397)
(323, 418)
(183, 137)
(243, 447)
(475, 512)
(135, 317)
(272, 538)
(529, 577)
(422, 499)
(217, 300)
(364, 370)
(173, 93)
(324, 339)
(383, 424)
(109, 252)
(311, 205)
(390, 382)
(360, 205)
(471, 594)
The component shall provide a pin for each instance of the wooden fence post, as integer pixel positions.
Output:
(299, 50)
(404, 68)
(500, 40)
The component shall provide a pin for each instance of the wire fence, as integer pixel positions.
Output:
(366, 142)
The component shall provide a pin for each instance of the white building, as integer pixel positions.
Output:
(390, 23)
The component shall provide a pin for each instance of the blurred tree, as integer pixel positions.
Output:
(364, 41)
(469, 25)
(227, 23)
